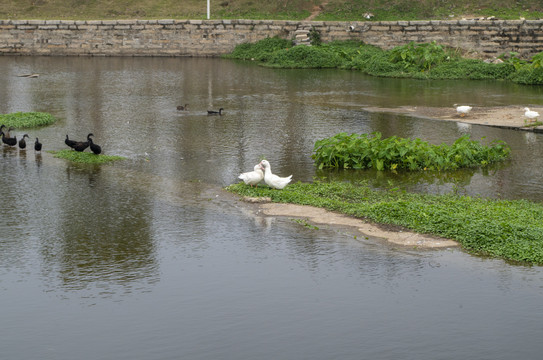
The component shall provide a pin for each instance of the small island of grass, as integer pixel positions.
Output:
(507, 229)
(21, 120)
(365, 151)
(85, 157)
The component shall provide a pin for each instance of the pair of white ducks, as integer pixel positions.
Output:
(262, 171)
(530, 114)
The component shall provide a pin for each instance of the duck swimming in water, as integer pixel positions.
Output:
(213, 112)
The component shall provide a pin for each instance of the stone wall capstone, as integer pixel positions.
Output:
(485, 38)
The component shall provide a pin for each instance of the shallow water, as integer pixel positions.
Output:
(149, 259)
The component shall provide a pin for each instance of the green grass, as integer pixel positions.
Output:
(20, 120)
(419, 61)
(85, 157)
(274, 9)
(507, 229)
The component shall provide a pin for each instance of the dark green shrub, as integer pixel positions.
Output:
(366, 151)
(260, 50)
(305, 57)
(420, 56)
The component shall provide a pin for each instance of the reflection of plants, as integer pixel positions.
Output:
(363, 151)
(305, 223)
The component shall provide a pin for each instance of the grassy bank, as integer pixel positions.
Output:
(418, 61)
(510, 230)
(274, 9)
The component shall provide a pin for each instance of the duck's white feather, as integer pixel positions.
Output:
(530, 114)
(463, 109)
(252, 177)
(273, 180)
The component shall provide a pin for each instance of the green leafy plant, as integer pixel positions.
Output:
(419, 61)
(261, 50)
(367, 151)
(421, 56)
(315, 37)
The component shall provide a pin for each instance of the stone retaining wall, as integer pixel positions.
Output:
(487, 38)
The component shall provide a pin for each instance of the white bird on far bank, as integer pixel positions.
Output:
(463, 110)
(253, 177)
(274, 181)
(531, 115)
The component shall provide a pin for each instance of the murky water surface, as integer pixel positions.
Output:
(148, 259)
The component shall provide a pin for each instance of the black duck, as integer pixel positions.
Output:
(69, 142)
(213, 112)
(37, 145)
(94, 147)
(22, 142)
(82, 145)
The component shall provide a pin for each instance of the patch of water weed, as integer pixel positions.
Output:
(371, 151)
(507, 229)
(20, 120)
(85, 157)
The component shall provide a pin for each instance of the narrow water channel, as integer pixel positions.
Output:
(148, 258)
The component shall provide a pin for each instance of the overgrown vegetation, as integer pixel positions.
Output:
(419, 61)
(511, 230)
(274, 9)
(366, 151)
(20, 120)
(85, 157)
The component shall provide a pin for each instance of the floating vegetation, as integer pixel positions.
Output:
(507, 229)
(85, 157)
(20, 120)
(363, 151)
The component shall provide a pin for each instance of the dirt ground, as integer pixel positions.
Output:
(506, 117)
(510, 117)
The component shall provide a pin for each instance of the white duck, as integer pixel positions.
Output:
(532, 115)
(463, 109)
(273, 180)
(253, 177)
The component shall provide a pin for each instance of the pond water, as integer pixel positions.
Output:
(148, 258)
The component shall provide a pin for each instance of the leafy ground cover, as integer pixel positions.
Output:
(85, 157)
(272, 9)
(365, 151)
(20, 120)
(507, 229)
(419, 61)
